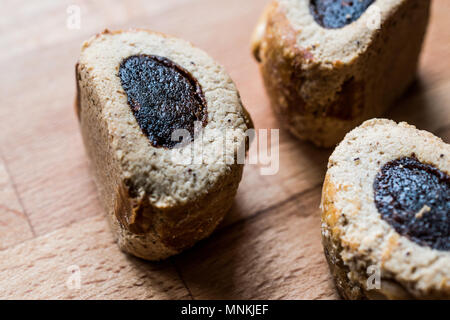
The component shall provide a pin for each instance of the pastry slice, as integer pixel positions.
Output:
(328, 65)
(164, 129)
(386, 213)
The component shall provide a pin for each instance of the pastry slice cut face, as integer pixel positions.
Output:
(329, 65)
(386, 209)
(163, 126)
(163, 96)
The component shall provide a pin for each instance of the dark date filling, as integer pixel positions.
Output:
(414, 198)
(163, 97)
(334, 14)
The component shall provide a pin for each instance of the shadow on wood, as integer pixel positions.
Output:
(420, 107)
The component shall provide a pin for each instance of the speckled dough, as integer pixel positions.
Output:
(156, 204)
(324, 82)
(354, 234)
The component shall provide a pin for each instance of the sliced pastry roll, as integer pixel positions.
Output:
(386, 213)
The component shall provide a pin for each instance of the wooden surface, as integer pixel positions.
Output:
(268, 247)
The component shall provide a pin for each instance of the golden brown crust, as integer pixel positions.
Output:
(180, 227)
(260, 30)
(279, 61)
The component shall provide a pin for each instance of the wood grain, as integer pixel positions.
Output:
(45, 268)
(276, 254)
(50, 217)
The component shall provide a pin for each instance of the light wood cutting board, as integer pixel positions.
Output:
(51, 223)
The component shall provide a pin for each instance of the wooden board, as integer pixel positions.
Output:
(51, 224)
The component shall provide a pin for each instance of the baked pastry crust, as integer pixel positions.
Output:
(324, 82)
(157, 205)
(354, 234)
